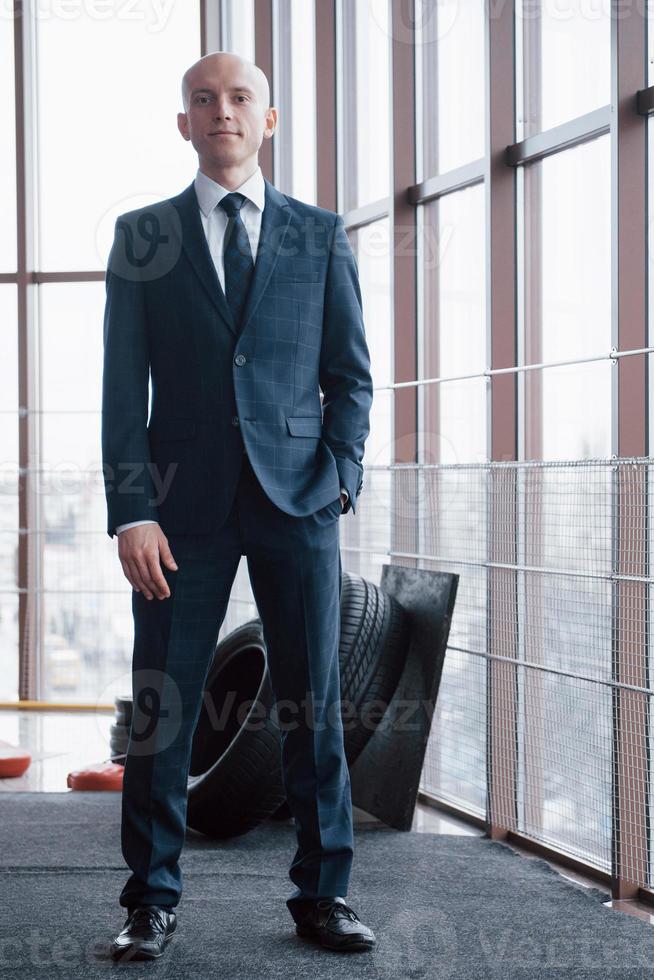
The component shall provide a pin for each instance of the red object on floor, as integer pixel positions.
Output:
(102, 776)
(13, 760)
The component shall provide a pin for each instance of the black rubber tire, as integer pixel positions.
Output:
(123, 713)
(372, 654)
(122, 724)
(282, 812)
(118, 739)
(242, 768)
(235, 776)
(372, 649)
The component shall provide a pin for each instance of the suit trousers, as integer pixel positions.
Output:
(294, 566)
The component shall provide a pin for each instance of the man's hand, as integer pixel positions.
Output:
(343, 499)
(139, 550)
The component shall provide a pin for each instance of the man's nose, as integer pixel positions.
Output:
(222, 109)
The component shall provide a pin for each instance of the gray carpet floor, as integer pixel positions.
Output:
(441, 906)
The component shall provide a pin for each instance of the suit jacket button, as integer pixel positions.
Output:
(240, 359)
(234, 419)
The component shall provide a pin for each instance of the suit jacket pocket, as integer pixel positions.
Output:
(305, 425)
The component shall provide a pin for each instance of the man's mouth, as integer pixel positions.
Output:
(224, 133)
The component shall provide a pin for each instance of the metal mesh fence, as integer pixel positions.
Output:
(542, 723)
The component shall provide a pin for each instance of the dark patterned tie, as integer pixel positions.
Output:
(237, 255)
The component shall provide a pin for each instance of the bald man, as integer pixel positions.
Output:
(242, 304)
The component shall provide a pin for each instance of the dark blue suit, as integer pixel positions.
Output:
(238, 457)
(218, 386)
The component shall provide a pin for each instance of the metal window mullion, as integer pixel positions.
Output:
(326, 101)
(438, 185)
(347, 116)
(366, 214)
(422, 415)
(530, 412)
(405, 501)
(263, 57)
(499, 59)
(564, 137)
(211, 20)
(339, 174)
(283, 74)
(224, 23)
(30, 546)
(427, 307)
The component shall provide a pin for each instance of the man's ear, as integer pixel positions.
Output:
(271, 122)
(182, 125)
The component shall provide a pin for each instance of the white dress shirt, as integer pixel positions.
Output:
(214, 222)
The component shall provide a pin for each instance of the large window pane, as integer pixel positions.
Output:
(86, 603)
(8, 155)
(239, 27)
(567, 55)
(365, 108)
(450, 55)
(8, 495)
(568, 302)
(453, 413)
(109, 94)
(373, 259)
(452, 511)
(8, 380)
(370, 534)
(569, 430)
(455, 763)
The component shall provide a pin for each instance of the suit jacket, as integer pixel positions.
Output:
(218, 387)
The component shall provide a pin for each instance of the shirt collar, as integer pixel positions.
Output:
(209, 192)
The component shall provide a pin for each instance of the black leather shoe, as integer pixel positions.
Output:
(335, 925)
(146, 931)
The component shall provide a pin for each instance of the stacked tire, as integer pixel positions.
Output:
(372, 652)
(119, 731)
(235, 778)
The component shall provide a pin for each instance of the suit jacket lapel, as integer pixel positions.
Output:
(274, 223)
(194, 243)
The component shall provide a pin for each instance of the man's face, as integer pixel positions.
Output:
(225, 118)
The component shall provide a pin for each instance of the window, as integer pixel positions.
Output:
(108, 97)
(365, 101)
